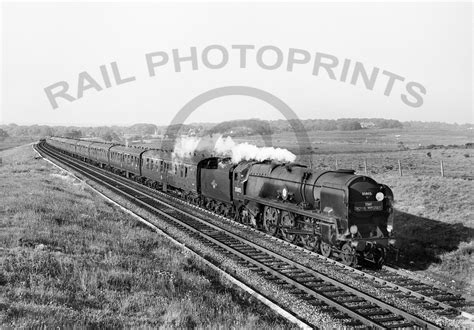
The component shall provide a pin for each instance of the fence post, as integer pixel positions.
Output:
(442, 168)
(365, 165)
(400, 167)
(337, 166)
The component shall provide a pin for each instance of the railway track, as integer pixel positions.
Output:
(354, 307)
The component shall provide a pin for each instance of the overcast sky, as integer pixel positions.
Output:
(43, 44)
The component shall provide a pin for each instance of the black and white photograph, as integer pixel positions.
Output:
(237, 164)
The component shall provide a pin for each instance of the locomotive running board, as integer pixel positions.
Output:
(291, 208)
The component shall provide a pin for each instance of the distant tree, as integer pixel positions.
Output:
(3, 134)
(389, 123)
(142, 129)
(110, 136)
(45, 131)
(242, 127)
(348, 125)
(74, 134)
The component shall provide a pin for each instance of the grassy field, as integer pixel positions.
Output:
(366, 140)
(434, 224)
(382, 149)
(12, 142)
(68, 258)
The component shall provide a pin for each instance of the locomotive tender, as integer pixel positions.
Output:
(336, 213)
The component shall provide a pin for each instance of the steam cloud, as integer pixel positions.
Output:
(226, 147)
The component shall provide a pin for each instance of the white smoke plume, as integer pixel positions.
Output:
(226, 147)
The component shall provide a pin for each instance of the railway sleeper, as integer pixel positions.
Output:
(329, 289)
(265, 260)
(313, 283)
(276, 264)
(403, 325)
(360, 305)
(376, 312)
(304, 278)
(336, 294)
(354, 300)
(391, 318)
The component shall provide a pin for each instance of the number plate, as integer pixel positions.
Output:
(368, 206)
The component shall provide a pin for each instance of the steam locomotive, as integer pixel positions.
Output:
(336, 213)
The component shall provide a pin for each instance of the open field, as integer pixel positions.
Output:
(12, 142)
(457, 163)
(69, 258)
(382, 149)
(365, 140)
(434, 224)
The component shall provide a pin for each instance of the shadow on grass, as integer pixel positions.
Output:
(422, 241)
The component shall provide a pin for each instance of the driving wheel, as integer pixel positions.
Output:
(270, 220)
(348, 255)
(288, 222)
(325, 249)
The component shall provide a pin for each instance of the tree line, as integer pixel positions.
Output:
(231, 128)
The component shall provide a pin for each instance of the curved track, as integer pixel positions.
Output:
(354, 306)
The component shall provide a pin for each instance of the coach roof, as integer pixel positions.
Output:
(134, 151)
(102, 145)
(167, 155)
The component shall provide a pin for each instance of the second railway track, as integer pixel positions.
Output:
(355, 307)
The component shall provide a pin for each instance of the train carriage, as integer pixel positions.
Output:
(126, 160)
(82, 149)
(169, 172)
(63, 144)
(99, 152)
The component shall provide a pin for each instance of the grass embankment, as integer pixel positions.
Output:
(434, 224)
(69, 258)
(12, 142)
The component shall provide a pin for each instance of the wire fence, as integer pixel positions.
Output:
(452, 167)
